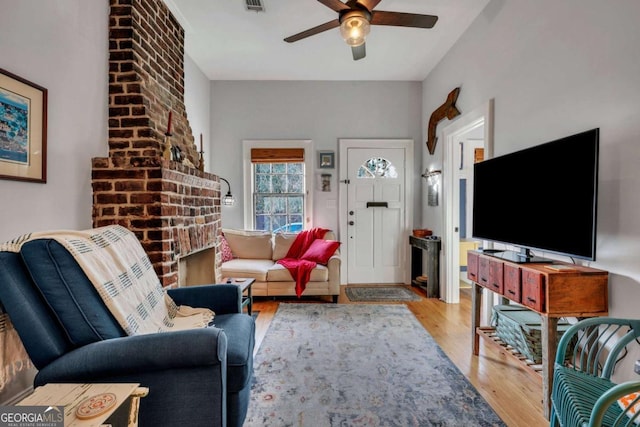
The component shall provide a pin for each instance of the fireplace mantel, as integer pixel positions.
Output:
(173, 209)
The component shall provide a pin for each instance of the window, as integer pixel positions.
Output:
(277, 176)
(278, 200)
(377, 167)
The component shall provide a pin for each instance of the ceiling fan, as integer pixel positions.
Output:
(355, 18)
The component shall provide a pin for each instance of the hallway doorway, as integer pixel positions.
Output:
(476, 125)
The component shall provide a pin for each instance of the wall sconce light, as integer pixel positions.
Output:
(433, 186)
(228, 199)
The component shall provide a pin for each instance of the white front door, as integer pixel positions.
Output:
(376, 203)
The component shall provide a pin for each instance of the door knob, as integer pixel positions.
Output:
(351, 222)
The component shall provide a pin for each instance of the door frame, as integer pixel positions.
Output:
(409, 175)
(482, 115)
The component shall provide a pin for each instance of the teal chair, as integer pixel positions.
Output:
(583, 393)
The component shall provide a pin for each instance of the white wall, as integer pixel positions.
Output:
(320, 111)
(197, 101)
(554, 69)
(62, 46)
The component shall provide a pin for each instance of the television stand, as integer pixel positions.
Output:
(552, 293)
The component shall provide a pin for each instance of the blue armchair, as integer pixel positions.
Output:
(198, 377)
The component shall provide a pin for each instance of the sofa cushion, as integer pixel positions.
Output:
(249, 244)
(39, 330)
(281, 244)
(320, 251)
(240, 331)
(249, 268)
(69, 292)
(279, 273)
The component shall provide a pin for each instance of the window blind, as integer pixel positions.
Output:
(277, 155)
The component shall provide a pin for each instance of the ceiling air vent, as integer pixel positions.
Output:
(254, 5)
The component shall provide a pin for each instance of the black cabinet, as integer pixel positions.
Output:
(431, 246)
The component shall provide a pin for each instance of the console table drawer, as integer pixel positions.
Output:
(483, 271)
(512, 283)
(472, 266)
(533, 290)
(496, 271)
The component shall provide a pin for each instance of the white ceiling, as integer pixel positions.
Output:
(228, 42)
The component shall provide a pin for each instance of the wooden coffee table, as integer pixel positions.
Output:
(245, 286)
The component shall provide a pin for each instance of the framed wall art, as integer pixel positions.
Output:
(326, 159)
(23, 129)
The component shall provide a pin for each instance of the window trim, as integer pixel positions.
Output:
(247, 173)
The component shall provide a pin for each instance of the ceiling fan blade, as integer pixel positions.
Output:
(400, 19)
(358, 52)
(369, 4)
(336, 5)
(313, 31)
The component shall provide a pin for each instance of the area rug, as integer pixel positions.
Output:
(325, 365)
(380, 294)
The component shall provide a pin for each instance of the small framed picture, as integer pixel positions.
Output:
(326, 159)
(23, 129)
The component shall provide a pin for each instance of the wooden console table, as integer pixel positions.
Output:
(576, 292)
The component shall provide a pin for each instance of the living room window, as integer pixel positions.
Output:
(277, 175)
(278, 198)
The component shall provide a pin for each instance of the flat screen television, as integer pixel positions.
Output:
(540, 198)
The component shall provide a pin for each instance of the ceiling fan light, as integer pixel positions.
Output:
(354, 29)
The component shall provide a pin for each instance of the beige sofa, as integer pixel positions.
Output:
(255, 255)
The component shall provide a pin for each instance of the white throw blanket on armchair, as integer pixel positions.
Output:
(116, 264)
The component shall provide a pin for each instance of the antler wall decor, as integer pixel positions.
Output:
(448, 110)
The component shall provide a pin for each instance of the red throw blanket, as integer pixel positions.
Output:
(300, 269)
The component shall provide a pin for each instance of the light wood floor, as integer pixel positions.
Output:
(512, 391)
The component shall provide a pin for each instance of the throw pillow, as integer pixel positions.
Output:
(225, 250)
(320, 251)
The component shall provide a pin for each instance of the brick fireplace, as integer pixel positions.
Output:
(171, 205)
